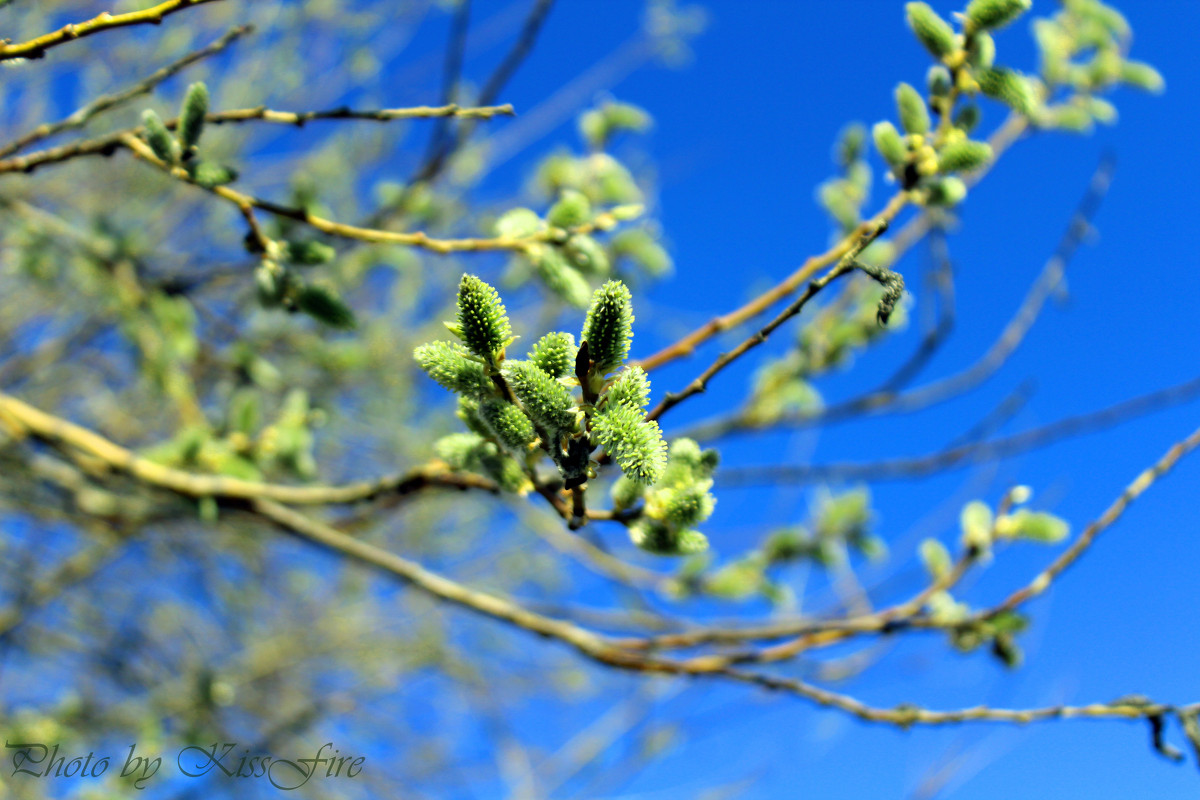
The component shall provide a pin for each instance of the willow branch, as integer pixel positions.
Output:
(962, 455)
(109, 101)
(687, 345)
(24, 418)
(36, 48)
(846, 265)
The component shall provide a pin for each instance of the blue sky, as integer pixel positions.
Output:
(742, 137)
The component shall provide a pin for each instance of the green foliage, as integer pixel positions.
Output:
(209, 174)
(309, 252)
(599, 125)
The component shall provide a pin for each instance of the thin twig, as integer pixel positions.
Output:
(36, 48)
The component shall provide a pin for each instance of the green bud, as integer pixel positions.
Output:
(626, 493)
(686, 506)
(554, 354)
(849, 148)
(1038, 526)
(518, 223)
(608, 328)
(640, 246)
(572, 208)
(631, 388)
(559, 276)
(658, 538)
(547, 402)
(914, 115)
(977, 521)
(936, 558)
(468, 412)
(159, 138)
(451, 365)
(967, 118)
(1102, 111)
(271, 285)
(981, 50)
(191, 116)
(964, 156)
(323, 304)
(508, 424)
(635, 443)
(1010, 88)
(460, 451)
(210, 174)
(932, 31)
(482, 321)
(889, 144)
(245, 411)
(1005, 648)
(309, 252)
(1142, 76)
(991, 14)
(588, 255)
(946, 192)
(938, 80)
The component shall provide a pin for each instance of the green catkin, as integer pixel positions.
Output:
(1010, 88)
(634, 442)
(547, 402)
(451, 365)
(508, 424)
(964, 156)
(889, 144)
(991, 14)
(191, 116)
(631, 388)
(608, 328)
(931, 30)
(554, 354)
(572, 208)
(159, 138)
(914, 115)
(482, 321)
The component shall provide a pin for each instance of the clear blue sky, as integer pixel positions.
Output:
(743, 136)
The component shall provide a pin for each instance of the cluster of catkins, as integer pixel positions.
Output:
(518, 409)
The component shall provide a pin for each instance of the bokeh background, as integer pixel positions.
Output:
(745, 116)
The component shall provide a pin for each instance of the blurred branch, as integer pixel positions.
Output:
(36, 48)
(972, 452)
(25, 418)
(109, 101)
